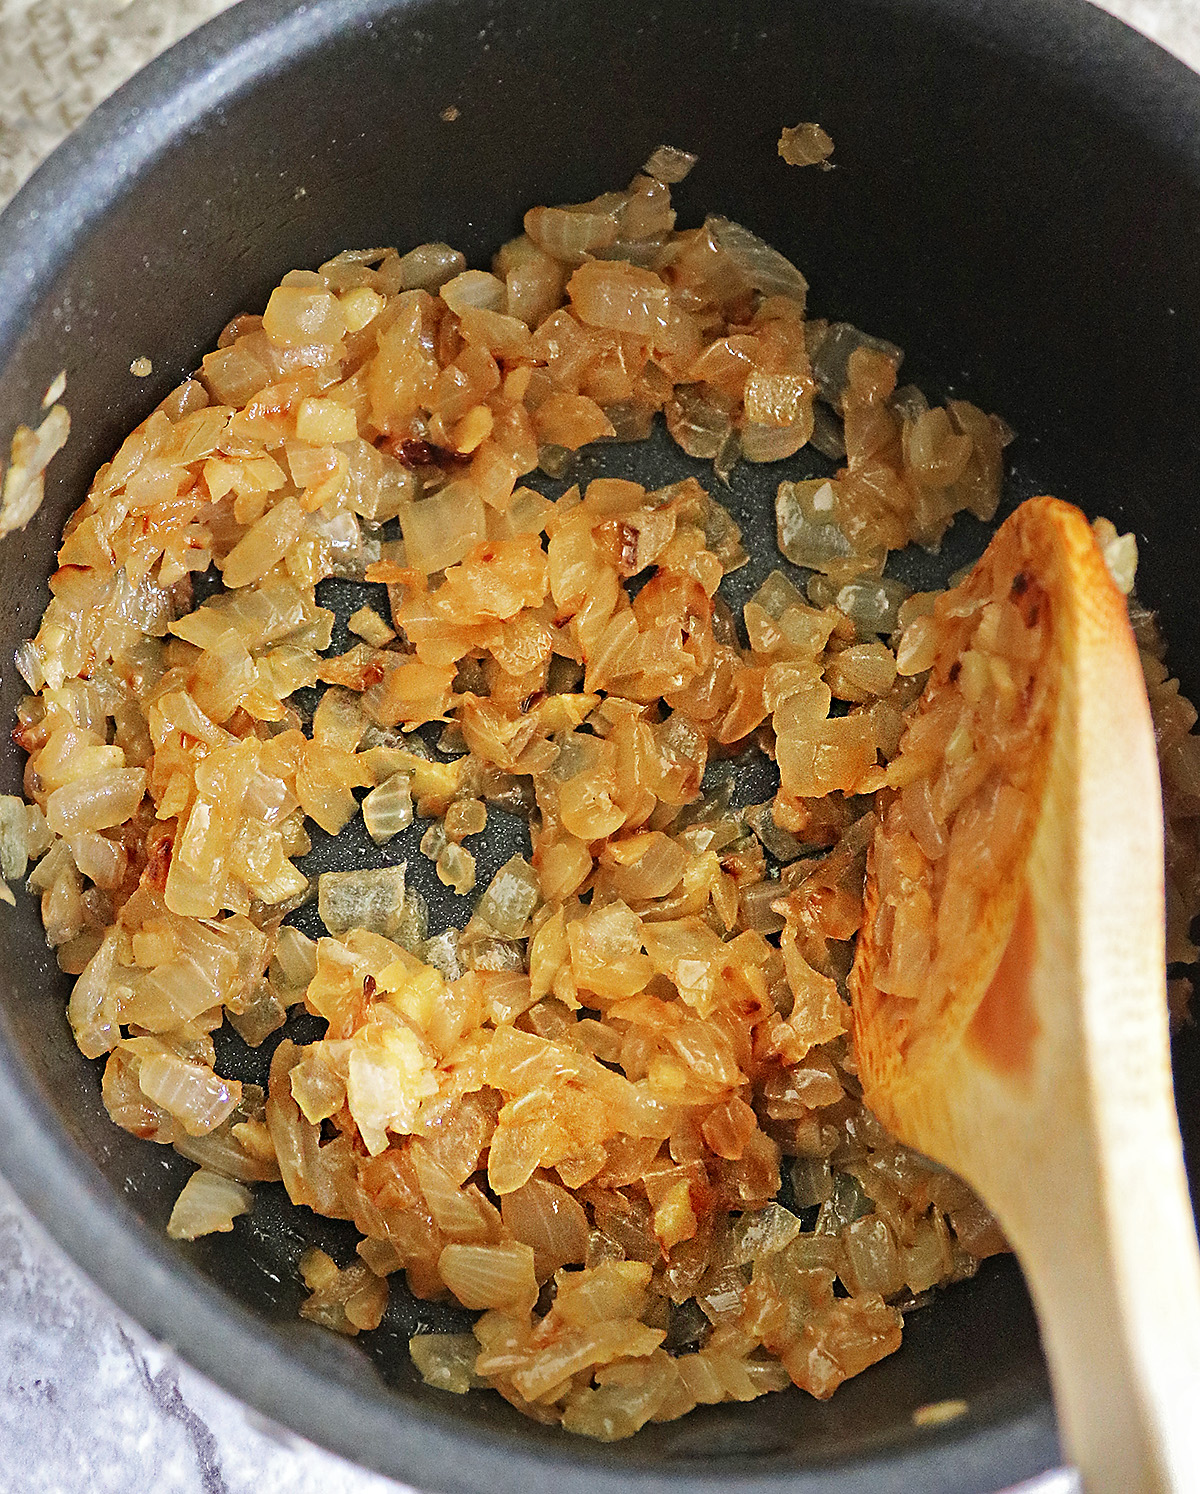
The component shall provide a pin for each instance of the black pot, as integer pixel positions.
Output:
(1016, 202)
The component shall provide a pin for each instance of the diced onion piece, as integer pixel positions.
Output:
(446, 1360)
(266, 543)
(456, 868)
(620, 298)
(764, 268)
(571, 233)
(367, 899)
(806, 525)
(297, 316)
(338, 721)
(295, 959)
(831, 358)
(30, 455)
(441, 530)
(1120, 554)
(697, 422)
(323, 421)
(763, 1233)
(29, 664)
(872, 1262)
(389, 1075)
(511, 897)
(89, 1010)
(97, 802)
(388, 809)
(14, 837)
(378, 486)
(208, 1204)
(645, 866)
(490, 1276)
(805, 145)
(367, 624)
(669, 164)
(474, 288)
(191, 1092)
(430, 266)
(551, 1220)
(101, 860)
(772, 443)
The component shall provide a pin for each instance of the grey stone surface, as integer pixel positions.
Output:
(88, 1404)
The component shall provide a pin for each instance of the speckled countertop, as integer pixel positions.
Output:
(88, 1403)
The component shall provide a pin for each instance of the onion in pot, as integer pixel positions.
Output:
(190, 1092)
(474, 288)
(446, 1360)
(370, 899)
(97, 802)
(208, 1204)
(388, 809)
(430, 266)
(763, 268)
(490, 1276)
(439, 531)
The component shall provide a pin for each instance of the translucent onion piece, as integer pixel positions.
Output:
(804, 535)
(190, 1092)
(645, 866)
(389, 1075)
(442, 953)
(511, 897)
(29, 457)
(669, 164)
(763, 1233)
(872, 1261)
(388, 809)
(474, 288)
(1120, 554)
(208, 1204)
(439, 531)
(14, 837)
(97, 802)
(764, 268)
(294, 962)
(446, 1360)
(697, 422)
(221, 1152)
(366, 899)
(91, 1007)
(873, 605)
(430, 266)
(805, 145)
(551, 1220)
(570, 233)
(29, 664)
(620, 298)
(377, 485)
(490, 1276)
(772, 443)
(266, 543)
(456, 868)
(831, 358)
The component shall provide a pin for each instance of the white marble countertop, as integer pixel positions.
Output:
(88, 1403)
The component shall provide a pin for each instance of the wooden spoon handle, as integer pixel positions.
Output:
(1117, 1292)
(1102, 1221)
(1042, 1073)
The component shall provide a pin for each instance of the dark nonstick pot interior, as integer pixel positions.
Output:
(1016, 202)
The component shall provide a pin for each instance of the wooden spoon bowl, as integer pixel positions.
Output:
(1009, 1000)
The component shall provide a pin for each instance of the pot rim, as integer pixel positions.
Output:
(343, 1405)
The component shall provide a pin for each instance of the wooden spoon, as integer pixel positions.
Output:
(1035, 1061)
